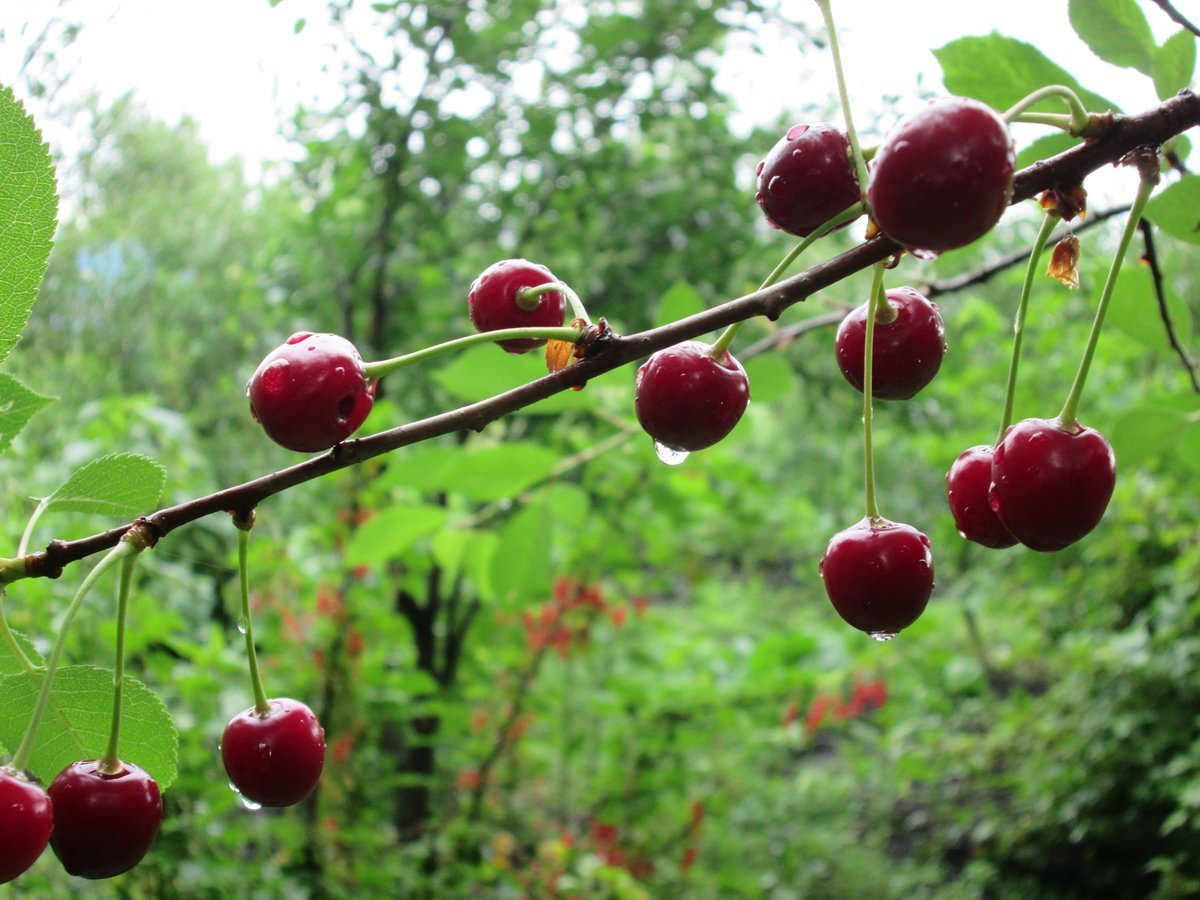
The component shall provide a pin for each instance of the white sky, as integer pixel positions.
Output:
(237, 67)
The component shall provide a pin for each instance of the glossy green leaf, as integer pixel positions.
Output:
(482, 372)
(479, 473)
(9, 664)
(1116, 31)
(120, 484)
(1044, 148)
(771, 378)
(1177, 209)
(75, 726)
(389, 533)
(680, 301)
(28, 215)
(1174, 64)
(17, 406)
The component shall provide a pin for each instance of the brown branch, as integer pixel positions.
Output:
(1152, 127)
(1175, 14)
(1151, 257)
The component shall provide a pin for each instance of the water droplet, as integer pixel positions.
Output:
(241, 624)
(776, 184)
(669, 455)
(925, 254)
(758, 169)
(882, 636)
(795, 131)
(233, 787)
(759, 198)
(797, 153)
(250, 804)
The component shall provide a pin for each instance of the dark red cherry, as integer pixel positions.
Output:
(1050, 484)
(967, 485)
(103, 823)
(276, 758)
(908, 349)
(493, 301)
(26, 820)
(943, 176)
(807, 178)
(878, 575)
(687, 400)
(311, 393)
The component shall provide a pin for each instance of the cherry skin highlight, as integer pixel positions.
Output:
(967, 485)
(493, 301)
(274, 759)
(943, 176)
(687, 400)
(908, 349)
(311, 392)
(807, 178)
(878, 575)
(26, 820)
(1051, 486)
(103, 823)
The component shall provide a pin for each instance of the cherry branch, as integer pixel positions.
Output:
(1175, 14)
(1156, 276)
(1124, 134)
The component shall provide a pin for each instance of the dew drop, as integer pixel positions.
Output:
(233, 787)
(882, 636)
(795, 131)
(758, 169)
(250, 804)
(669, 455)
(759, 198)
(925, 254)
(242, 624)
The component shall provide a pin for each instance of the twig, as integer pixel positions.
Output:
(1153, 127)
(1175, 14)
(1151, 257)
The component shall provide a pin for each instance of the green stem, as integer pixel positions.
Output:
(20, 760)
(111, 763)
(1077, 120)
(877, 296)
(11, 639)
(860, 164)
(1070, 408)
(1010, 388)
(23, 547)
(382, 367)
(535, 291)
(1057, 120)
(262, 705)
(846, 215)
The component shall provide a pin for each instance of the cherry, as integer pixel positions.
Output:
(276, 758)
(103, 822)
(807, 178)
(1050, 483)
(311, 392)
(26, 820)
(879, 575)
(908, 349)
(943, 176)
(687, 400)
(493, 301)
(967, 485)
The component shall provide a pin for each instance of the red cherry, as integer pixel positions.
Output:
(493, 301)
(967, 485)
(879, 575)
(274, 759)
(908, 349)
(1050, 486)
(26, 820)
(807, 178)
(103, 823)
(311, 392)
(686, 400)
(943, 176)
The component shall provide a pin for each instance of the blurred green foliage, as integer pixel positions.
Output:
(547, 664)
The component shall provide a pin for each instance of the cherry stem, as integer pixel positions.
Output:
(28, 532)
(1075, 123)
(11, 639)
(846, 215)
(382, 367)
(262, 705)
(20, 760)
(1066, 418)
(1035, 255)
(856, 153)
(111, 762)
(877, 296)
(535, 292)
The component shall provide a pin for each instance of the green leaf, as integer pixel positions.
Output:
(479, 473)
(1174, 64)
(1044, 148)
(389, 533)
(680, 301)
(76, 722)
(9, 665)
(482, 372)
(1177, 209)
(17, 406)
(120, 484)
(771, 378)
(1134, 310)
(1001, 70)
(521, 565)
(1116, 31)
(28, 215)
(1146, 433)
